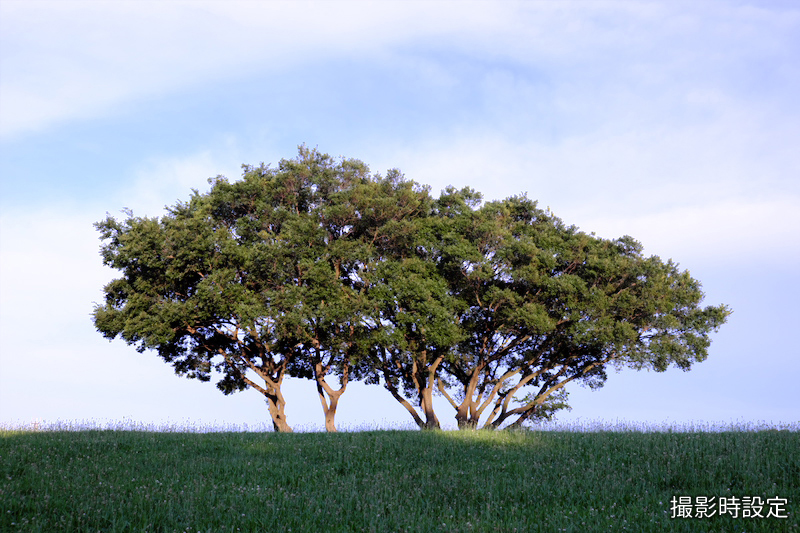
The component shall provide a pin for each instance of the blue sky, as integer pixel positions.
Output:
(674, 122)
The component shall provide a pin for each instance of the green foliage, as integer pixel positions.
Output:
(260, 278)
(319, 268)
(543, 304)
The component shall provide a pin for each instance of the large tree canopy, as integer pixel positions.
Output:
(258, 279)
(318, 268)
(545, 304)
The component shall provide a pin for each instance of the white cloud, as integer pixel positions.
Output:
(637, 171)
(50, 273)
(711, 191)
(63, 60)
(161, 182)
(71, 59)
(739, 230)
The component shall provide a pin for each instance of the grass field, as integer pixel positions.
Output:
(107, 480)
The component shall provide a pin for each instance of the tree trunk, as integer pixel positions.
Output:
(467, 424)
(426, 403)
(424, 382)
(276, 405)
(275, 400)
(329, 405)
(462, 418)
(517, 424)
(410, 408)
(469, 411)
(330, 415)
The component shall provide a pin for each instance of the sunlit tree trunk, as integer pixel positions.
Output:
(330, 403)
(426, 403)
(276, 405)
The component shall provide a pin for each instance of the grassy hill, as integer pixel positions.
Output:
(392, 480)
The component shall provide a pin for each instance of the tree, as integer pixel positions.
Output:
(258, 279)
(319, 269)
(416, 308)
(415, 334)
(545, 304)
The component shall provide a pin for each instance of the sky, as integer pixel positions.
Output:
(674, 122)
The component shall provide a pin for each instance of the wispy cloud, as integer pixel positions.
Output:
(67, 60)
(161, 182)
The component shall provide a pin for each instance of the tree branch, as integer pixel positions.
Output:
(441, 387)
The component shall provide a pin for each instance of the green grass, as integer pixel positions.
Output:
(104, 480)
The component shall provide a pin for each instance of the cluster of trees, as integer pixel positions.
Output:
(319, 269)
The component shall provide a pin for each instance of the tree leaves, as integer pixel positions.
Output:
(317, 268)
